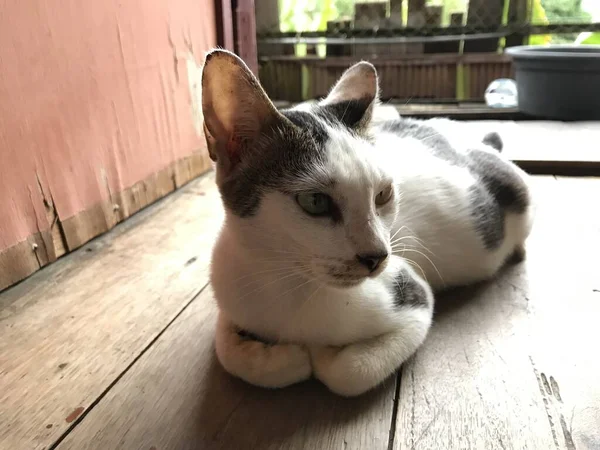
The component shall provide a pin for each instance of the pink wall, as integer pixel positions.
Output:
(94, 96)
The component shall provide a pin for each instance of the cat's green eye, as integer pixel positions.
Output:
(384, 196)
(315, 204)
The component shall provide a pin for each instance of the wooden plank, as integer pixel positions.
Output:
(415, 19)
(178, 397)
(548, 147)
(335, 26)
(564, 308)
(456, 20)
(224, 23)
(67, 234)
(541, 147)
(369, 16)
(245, 30)
(70, 330)
(517, 15)
(433, 18)
(504, 365)
(266, 16)
(481, 14)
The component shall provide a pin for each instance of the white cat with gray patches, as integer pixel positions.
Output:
(338, 229)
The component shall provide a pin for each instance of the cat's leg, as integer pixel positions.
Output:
(258, 363)
(359, 367)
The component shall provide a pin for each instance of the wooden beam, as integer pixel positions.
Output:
(246, 34)
(224, 19)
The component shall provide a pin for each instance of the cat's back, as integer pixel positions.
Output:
(467, 204)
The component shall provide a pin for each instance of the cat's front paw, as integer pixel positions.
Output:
(342, 370)
(259, 363)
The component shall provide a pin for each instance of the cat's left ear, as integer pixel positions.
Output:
(354, 96)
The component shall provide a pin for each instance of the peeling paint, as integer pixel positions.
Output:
(175, 57)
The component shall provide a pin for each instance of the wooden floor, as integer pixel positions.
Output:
(112, 348)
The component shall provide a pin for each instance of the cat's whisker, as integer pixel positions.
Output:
(295, 287)
(403, 227)
(292, 268)
(428, 259)
(274, 270)
(413, 263)
(396, 245)
(319, 286)
(279, 259)
(298, 273)
(273, 251)
(400, 239)
(345, 111)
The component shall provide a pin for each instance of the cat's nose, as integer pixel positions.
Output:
(372, 261)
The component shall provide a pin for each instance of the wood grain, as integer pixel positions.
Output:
(510, 364)
(548, 141)
(562, 283)
(64, 235)
(178, 397)
(69, 331)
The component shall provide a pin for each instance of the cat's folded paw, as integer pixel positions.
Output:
(343, 370)
(258, 363)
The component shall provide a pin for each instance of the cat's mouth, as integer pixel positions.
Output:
(342, 274)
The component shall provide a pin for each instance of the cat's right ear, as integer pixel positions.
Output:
(354, 96)
(358, 83)
(235, 107)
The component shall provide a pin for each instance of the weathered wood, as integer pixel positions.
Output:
(368, 16)
(334, 26)
(23, 259)
(267, 21)
(517, 15)
(483, 13)
(433, 18)
(564, 305)
(245, 23)
(70, 330)
(395, 14)
(178, 397)
(224, 22)
(456, 20)
(507, 363)
(415, 19)
(547, 147)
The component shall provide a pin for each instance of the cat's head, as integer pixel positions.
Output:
(304, 185)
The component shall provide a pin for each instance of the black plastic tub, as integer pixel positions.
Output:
(559, 82)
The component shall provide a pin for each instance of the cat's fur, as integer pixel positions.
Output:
(456, 216)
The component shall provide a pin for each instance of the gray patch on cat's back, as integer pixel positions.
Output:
(498, 188)
(408, 291)
(501, 180)
(488, 217)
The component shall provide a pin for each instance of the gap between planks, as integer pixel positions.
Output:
(118, 378)
(71, 329)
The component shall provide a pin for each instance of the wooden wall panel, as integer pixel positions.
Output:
(99, 116)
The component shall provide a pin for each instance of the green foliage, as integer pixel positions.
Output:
(306, 15)
(594, 39)
(561, 11)
(345, 8)
(538, 17)
(565, 11)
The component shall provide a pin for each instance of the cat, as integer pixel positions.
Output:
(339, 229)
